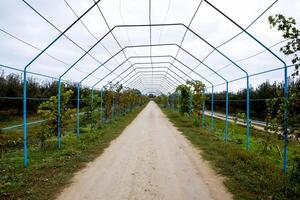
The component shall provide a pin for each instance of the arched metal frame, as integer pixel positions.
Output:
(150, 25)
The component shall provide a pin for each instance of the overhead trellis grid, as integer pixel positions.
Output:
(151, 50)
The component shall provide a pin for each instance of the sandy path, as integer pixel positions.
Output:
(149, 160)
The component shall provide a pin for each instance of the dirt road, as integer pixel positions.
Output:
(150, 160)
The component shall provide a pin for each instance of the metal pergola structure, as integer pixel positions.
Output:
(159, 77)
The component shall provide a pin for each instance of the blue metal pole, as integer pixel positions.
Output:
(117, 105)
(113, 108)
(123, 107)
(78, 107)
(92, 99)
(178, 102)
(58, 113)
(101, 107)
(191, 103)
(25, 160)
(92, 107)
(285, 85)
(226, 122)
(212, 109)
(203, 105)
(173, 98)
(248, 115)
(285, 134)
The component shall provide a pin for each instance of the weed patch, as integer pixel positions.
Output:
(249, 175)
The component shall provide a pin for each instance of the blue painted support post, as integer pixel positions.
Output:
(101, 107)
(285, 87)
(92, 108)
(285, 134)
(203, 110)
(25, 83)
(92, 100)
(117, 105)
(178, 103)
(113, 108)
(123, 107)
(173, 105)
(58, 113)
(226, 121)
(78, 110)
(25, 160)
(212, 109)
(191, 104)
(248, 115)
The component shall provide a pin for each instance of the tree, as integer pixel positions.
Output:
(48, 110)
(197, 88)
(288, 27)
(14, 89)
(118, 103)
(184, 97)
(88, 104)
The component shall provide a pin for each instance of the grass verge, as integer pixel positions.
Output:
(249, 175)
(50, 170)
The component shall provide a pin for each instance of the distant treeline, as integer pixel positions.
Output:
(11, 92)
(258, 97)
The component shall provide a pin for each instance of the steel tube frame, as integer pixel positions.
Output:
(25, 83)
(157, 81)
(156, 84)
(285, 83)
(111, 30)
(160, 75)
(212, 94)
(78, 114)
(211, 123)
(162, 78)
(141, 84)
(173, 78)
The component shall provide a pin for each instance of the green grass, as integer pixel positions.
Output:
(50, 170)
(249, 175)
(261, 142)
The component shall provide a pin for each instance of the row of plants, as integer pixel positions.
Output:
(49, 168)
(187, 99)
(254, 174)
(97, 109)
(258, 97)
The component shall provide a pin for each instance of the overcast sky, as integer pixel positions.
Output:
(20, 21)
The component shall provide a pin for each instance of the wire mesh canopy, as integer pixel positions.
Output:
(150, 45)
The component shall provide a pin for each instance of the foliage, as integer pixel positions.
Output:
(48, 173)
(197, 87)
(89, 103)
(162, 100)
(48, 110)
(259, 96)
(11, 87)
(289, 31)
(277, 104)
(249, 175)
(184, 97)
(118, 99)
(107, 96)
